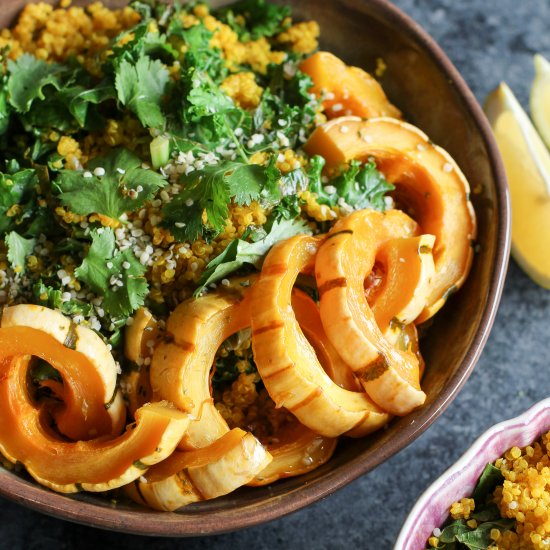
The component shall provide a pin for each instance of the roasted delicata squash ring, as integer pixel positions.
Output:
(409, 270)
(346, 90)
(227, 464)
(296, 450)
(428, 182)
(390, 376)
(105, 413)
(180, 369)
(95, 465)
(286, 361)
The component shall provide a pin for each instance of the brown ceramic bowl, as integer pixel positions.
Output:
(426, 86)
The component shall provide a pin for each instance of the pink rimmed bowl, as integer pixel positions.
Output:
(459, 481)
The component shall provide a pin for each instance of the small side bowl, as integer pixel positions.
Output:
(460, 479)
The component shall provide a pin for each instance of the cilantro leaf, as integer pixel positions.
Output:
(124, 187)
(104, 265)
(140, 87)
(241, 252)
(28, 78)
(211, 190)
(18, 250)
(259, 18)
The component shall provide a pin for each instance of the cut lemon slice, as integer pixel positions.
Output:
(527, 164)
(540, 98)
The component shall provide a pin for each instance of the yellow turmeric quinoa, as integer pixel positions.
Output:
(521, 496)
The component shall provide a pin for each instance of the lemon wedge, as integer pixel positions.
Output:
(527, 164)
(540, 98)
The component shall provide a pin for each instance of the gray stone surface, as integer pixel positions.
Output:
(488, 40)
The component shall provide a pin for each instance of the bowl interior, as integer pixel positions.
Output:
(422, 82)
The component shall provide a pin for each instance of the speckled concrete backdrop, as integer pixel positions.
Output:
(488, 40)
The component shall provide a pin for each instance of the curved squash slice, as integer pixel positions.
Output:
(428, 183)
(139, 342)
(287, 362)
(309, 319)
(409, 269)
(296, 450)
(180, 369)
(346, 90)
(96, 465)
(77, 422)
(344, 260)
(210, 472)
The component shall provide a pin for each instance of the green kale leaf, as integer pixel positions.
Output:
(241, 252)
(115, 275)
(124, 187)
(259, 18)
(361, 186)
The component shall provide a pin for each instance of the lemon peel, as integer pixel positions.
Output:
(527, 164)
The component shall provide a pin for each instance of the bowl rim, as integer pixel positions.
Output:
(521, 421)
(152, 523)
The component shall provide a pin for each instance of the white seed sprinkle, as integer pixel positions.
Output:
(225, 282)
(126, 265)
(87, 174)
(329, 96)
(99, 171)
(421, 147)
(189, 202)
(447, 167)
(337, 107)
(344, 129)
(513, 505)
(437, 532)
(121, 171)
(238, 132)
(330, 189)
(281, 122)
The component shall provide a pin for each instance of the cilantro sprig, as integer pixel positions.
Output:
(210, 190)
(116, 275)
(121, 185)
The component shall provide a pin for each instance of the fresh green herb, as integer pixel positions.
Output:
(124, 186)
(257, 18)
(28, 78)
(140, 87)
(18, 250)
(18, 197)
(490, 479)
(458, 535)
(115, 275)
(361, 186)
(241, 252)
(51, 297)
(42, 371)
(211, 190)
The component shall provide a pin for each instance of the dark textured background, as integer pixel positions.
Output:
(488, 40)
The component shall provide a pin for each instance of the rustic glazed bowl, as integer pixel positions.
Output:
(428, 89)
(459, 481)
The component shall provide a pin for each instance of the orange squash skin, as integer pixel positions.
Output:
(429, 185)
(350, 90)
(95, 465)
